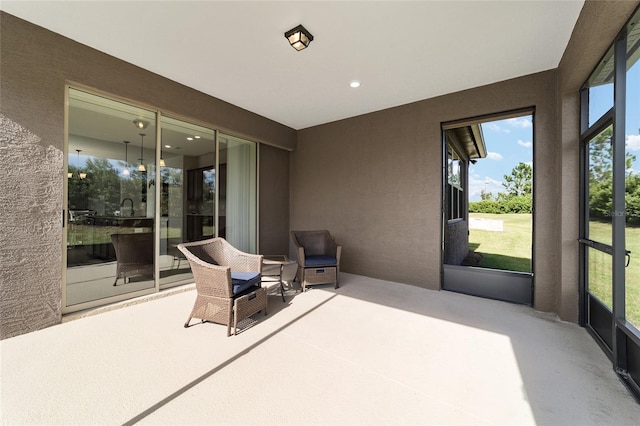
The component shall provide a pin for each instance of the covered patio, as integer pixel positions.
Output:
(367, 353)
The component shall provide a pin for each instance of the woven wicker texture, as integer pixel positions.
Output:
(134, 255)
(211, 263)
(316, 243)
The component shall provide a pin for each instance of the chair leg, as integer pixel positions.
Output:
(115, 282)
(186, 324)
(232, 315)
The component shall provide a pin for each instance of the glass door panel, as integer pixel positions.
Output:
(600, 170)
(111, 209)
(237, 213)
(600, 229)
(600, 273)
(187, 194)
(632, 177)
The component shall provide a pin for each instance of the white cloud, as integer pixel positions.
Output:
(478, 184)
(494, 128)
(522, 122)
(494, 156)
(633, 142)
(526, 144)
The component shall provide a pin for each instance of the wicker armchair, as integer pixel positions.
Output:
(318, 257)
(227, 282)
(134, 255)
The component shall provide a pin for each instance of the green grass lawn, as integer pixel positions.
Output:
(600, 269)
(511, 250)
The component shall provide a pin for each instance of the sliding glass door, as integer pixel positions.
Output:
(237, 214)
(138, 184)
(110, 214)
(187, 193)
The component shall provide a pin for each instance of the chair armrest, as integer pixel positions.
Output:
(338, 254)
(301, 256)
(210, 279)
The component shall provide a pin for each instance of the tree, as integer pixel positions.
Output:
(520, 181)
(601, 180)
(484, 195)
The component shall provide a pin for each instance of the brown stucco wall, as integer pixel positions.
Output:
(274, 200)
(35, 65)
(375, 182)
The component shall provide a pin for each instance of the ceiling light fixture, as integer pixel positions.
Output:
(354, 84)
(299, 37)
(140, 124)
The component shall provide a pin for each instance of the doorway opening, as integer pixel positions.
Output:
(487, 220)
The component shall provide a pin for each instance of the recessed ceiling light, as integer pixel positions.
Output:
(354, 84)
(189, 138)
(197, 137)
(167, 146)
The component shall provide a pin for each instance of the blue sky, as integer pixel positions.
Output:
(508, 143)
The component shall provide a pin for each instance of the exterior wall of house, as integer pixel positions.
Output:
(457, 238)
(375, 182)
(36, 64)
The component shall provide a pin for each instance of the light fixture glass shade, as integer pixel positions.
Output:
(140, 124)
(125, 171)
(162, 162)
(69, 175)
(142, 168)
(83, 175)
(299, 37)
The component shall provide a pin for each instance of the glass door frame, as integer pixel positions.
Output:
(624, 337)
(68, 309)
(160, 114)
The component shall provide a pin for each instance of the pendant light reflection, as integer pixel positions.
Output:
(125, 170)
(141, 167)
(81, 174)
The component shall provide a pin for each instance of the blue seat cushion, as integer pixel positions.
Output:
(320, 260)
(241, 281)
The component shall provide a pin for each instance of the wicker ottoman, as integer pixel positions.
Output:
(325, 275)
(249, 304)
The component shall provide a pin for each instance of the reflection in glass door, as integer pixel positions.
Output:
(187, 194)
(109, 203)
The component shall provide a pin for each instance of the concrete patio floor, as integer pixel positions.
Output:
(371, 352)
